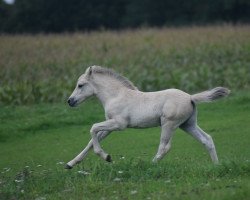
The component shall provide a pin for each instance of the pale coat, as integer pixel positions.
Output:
(127, 107)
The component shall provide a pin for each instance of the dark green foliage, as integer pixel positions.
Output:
(29, 16)
(61, 15)
(47, 16)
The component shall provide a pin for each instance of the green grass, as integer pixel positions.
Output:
(44, 68)
(35, 140)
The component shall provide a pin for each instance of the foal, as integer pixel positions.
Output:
(127, 107)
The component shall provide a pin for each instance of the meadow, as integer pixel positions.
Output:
(44, 68)
(37, 141)
(39, 132)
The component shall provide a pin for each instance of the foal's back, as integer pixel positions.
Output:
(145, 109)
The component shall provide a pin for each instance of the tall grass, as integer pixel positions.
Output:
(44, 68)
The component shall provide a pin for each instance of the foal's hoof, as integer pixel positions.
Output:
(67, 166)
(108, 158)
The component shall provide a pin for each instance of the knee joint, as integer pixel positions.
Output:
(93, 130)
(97, 151)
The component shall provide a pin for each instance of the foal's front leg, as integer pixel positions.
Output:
(101, 135)
(109, 125)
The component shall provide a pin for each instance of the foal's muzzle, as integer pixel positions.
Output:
(72, 102)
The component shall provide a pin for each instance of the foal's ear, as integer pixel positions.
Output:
(89, 72)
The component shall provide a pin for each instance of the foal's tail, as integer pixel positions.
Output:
(210, 95)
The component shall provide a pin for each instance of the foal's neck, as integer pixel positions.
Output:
(108, 89)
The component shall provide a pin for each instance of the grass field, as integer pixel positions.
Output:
(37, 140)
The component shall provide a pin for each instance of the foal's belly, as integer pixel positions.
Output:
(143, 118)
(144, 124)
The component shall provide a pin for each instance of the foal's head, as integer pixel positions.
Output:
(83, 89)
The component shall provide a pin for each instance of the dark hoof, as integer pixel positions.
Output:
(108, 159)
(67, 166)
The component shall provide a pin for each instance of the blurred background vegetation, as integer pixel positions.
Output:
(190, 45)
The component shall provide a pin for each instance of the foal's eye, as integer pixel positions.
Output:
(80, 85)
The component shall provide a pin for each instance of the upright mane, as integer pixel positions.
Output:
(111, 73)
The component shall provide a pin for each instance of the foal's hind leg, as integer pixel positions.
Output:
(191, 127)
(202, 137)
(162, 151)
(165, 141)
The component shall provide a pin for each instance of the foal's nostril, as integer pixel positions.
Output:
(72, 102)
